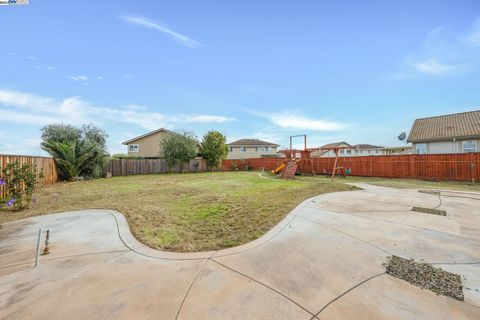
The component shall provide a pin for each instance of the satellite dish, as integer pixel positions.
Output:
(402, 136)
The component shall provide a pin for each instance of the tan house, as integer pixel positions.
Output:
(452, 133)
(147, 145)
(251, 148)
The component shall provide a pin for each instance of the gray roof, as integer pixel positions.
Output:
(251, 142)
(366, 146)
(334, 144)
(464, 125)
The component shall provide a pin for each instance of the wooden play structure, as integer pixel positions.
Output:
(300, 161)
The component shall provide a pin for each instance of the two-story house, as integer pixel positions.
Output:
(251, 148)
(451, 133)
(147, 145)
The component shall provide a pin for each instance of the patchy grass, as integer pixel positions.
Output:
(186, 212)
(416, 184)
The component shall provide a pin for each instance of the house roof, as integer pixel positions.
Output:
(251, 142)
(147, 134)
(441, 128)
(366, 146)
(335, 144)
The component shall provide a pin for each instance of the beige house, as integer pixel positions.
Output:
(358, 150)
(147, 145)
(330, 153)
(251, 148)
(452, 133)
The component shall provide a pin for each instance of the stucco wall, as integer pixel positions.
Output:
(443, 147)
(149, 145)
(250, 152)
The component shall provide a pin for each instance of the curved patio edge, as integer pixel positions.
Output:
(136, 246)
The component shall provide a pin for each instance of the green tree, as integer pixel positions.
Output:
(61, 132)
(213, 148)
(179, 148)
(77, 151)
(70, 157)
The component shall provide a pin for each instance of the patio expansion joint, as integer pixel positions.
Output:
(61, 285)
(346, 292)
(358, 215)
(63, 257)
(190, 287)
(266, 286)
(380, 248)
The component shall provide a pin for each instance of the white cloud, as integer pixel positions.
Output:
(30, 58)
(38, 110)
(289, 120)
(51, 68)
(99, 77)
(444, 53)
(78, 78)
(27, 146)
(128, 76)
(147, 23)
(433, 67)
(472, 37)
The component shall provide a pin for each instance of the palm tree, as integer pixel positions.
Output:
(69, 156)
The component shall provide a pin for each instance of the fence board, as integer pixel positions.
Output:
(45, 167)
(123, 167)
(462, 167)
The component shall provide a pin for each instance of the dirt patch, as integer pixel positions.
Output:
(425, 276)
(430, 211)
(434, 192)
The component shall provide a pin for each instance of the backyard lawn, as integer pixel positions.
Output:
(186, 212)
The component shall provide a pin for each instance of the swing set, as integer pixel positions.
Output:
(301, 161)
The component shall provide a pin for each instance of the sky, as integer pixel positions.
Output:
(354, 71)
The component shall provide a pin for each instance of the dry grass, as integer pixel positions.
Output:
(186, 212)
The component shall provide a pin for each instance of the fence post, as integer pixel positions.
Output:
(413, 166)
(371, 166)
(472, 167)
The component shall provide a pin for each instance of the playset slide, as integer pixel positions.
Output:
(279, 168)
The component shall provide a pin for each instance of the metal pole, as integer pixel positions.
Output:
(37, 253)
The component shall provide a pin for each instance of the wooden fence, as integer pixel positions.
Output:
(462, 167)
(45, 168)
(123, 167)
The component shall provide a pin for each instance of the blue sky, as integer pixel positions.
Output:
(335, 70)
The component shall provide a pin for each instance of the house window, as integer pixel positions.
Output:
(231, 149)
(341, 151)
(133, 148)
(349, 151)
(268, 149)
(421, 148)
(469, 146)
(243, 149)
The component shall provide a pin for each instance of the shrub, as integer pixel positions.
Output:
(213, 148)
(179, 148)
(19, 181)
(78, 152)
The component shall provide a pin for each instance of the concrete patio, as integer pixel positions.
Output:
(323, 261)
